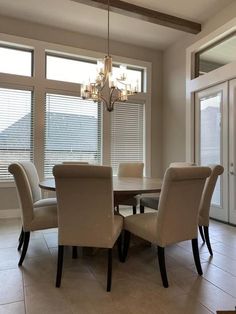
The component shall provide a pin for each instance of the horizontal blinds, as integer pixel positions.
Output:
(127, 134)
(16, 125)
(72, 131)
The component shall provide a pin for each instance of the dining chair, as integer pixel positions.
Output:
(85, 211)
(205, 204)
(151, 199)
(135, 170)
(36, 213)
(177, 217)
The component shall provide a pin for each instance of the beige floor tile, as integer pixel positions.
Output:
(11, 287)
(9, 258)
(51, 239)
(45, 299)
(136, 286)
(38, 270)
(220, 278)
(9, 240)
(207, 294)
(221, 261)
(37, 247)
(13, 308)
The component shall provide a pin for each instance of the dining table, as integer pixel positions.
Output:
(123, 187)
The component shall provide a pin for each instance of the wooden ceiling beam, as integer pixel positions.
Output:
(148, 15)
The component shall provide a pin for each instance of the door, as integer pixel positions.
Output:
(232, 151)
(211, 141)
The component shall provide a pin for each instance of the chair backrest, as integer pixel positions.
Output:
(131, 169)
(205, 204)
(177, 216)
(85, 205)
(182, 164)
(26, 180)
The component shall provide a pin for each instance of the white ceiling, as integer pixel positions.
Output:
(81, 18)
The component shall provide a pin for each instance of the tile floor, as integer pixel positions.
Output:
(136, 286)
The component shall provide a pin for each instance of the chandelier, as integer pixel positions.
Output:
(106, 88)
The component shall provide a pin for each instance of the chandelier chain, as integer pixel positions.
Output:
(108, 27)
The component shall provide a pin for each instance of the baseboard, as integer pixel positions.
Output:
(9, 213)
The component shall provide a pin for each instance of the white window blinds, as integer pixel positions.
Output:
(127, 134)
(72, 131)
(16, 125)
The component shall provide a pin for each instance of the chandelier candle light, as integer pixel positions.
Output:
(106, 89)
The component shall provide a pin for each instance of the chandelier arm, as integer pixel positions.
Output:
(121, 82)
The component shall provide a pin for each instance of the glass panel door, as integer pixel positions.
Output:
(211, 134)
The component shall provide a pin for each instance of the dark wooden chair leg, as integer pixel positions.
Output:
(162, 265)
(201, 233)
(25, 247)
(119, 245)
(196, 256)
(109, 270)
(74, 252)
(134, 210)
(59, 265)
(126, 245)
(208, 243)
(141, 209)
(21, 239)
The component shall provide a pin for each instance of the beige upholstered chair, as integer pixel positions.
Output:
(151, 199)
(205, 204)
(85, 211)
(128, 169)
(177, 216)
(36, 213)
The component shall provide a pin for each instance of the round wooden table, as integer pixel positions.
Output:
(123, 187)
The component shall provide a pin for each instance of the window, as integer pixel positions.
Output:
(43, 119)
(72, 131)
(81, 71)
(15, 61)
(69, 70)
(216, 55)
(127, 134)
(211, 139)
(16, 123)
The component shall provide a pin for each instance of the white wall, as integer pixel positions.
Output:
(36, 31)
(174, 71)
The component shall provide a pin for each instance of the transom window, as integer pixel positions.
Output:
(76, 70)
(16, 61)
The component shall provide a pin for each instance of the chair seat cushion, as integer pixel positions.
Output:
(143, 226)
(44, 217)
(46, 202)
